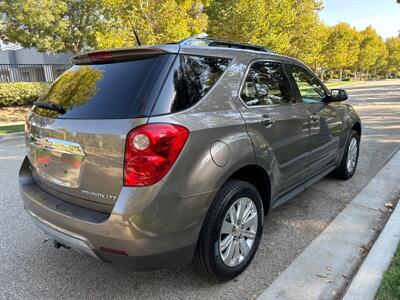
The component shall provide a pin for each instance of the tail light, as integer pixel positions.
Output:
(150, 152)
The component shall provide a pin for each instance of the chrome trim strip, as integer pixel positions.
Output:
(55, 145)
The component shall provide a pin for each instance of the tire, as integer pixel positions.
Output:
(209, 259)
(343, 171)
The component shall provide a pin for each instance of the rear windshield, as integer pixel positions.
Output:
(106, 91)
(130, 89)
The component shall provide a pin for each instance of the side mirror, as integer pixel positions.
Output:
(337, 95)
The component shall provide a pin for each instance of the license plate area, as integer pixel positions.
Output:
(55, 160)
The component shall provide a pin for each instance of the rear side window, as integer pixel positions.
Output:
(190, 78)
(106, 91)
(266, 84)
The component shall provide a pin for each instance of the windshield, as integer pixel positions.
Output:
(105, 91)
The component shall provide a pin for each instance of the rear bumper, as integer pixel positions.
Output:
(150, 238)
(78, 243)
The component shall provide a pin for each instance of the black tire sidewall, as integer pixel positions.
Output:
(355, 135)
(223, 271)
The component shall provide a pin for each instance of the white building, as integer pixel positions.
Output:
(21, 64)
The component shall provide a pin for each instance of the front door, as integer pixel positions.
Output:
(277, 124)
(325, 122)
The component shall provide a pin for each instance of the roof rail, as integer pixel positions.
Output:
(199, 41)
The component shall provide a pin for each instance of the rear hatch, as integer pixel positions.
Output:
(76, 132)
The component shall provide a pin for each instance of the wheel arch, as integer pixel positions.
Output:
(257, 176)
(357, 127)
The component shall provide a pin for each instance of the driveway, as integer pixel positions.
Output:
(31, 268)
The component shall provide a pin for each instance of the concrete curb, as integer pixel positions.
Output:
(366, 283)
(324, 268)
(11, 136)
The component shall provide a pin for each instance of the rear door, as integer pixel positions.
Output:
(277, 124)
(78, 154)
(325, 122)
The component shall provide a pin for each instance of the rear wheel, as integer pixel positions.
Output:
(349, 162)
(231, 232)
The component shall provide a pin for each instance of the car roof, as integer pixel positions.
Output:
(196, 46)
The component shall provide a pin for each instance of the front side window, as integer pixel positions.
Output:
(266, 84)
(310, 89)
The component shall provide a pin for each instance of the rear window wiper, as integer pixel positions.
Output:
(52, 106)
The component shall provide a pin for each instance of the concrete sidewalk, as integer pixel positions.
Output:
(326, 266)
(366, 283)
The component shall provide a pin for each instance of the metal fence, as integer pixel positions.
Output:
(31, 72)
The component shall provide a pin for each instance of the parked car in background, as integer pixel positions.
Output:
(158, 156)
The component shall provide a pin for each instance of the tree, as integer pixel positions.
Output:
(393, 60)
(372, 50)
(308, 35)
(154, 21)
(267, 23)
(342, 48)
(51, 25)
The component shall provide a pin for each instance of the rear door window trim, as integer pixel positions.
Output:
(287, 78)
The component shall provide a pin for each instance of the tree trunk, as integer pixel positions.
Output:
(340, 74)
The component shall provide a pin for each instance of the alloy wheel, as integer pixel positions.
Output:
(352, 155)
(238, 231)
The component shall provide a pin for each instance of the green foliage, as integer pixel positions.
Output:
(342, 47)
(373, 51)
(20, 93)
(390, 287)
(51, 25)
(308, 35)
(393, 48)
(290, 27)
(154, 21)
(11, 129)
(267, 23)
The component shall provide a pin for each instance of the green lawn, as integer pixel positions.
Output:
(11, 128)
(390, 287)
(331, 85)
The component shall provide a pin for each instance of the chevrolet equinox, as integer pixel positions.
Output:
(153, 157)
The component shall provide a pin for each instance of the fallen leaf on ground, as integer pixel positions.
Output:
(389, 205)
(365, 249)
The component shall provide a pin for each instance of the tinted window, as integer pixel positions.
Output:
(190, 78)
(266, 84)
(105, 91)
(311, 90)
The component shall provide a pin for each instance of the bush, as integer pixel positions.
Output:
(20, 93)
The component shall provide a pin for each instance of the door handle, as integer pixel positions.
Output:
(266, 120)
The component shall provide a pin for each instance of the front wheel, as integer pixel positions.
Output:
(231, 232)
(349, 162)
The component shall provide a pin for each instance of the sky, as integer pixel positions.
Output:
(383, 15)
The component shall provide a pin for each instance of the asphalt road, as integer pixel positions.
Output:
(31, 268)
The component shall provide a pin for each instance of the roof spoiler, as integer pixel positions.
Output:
(118, 55)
